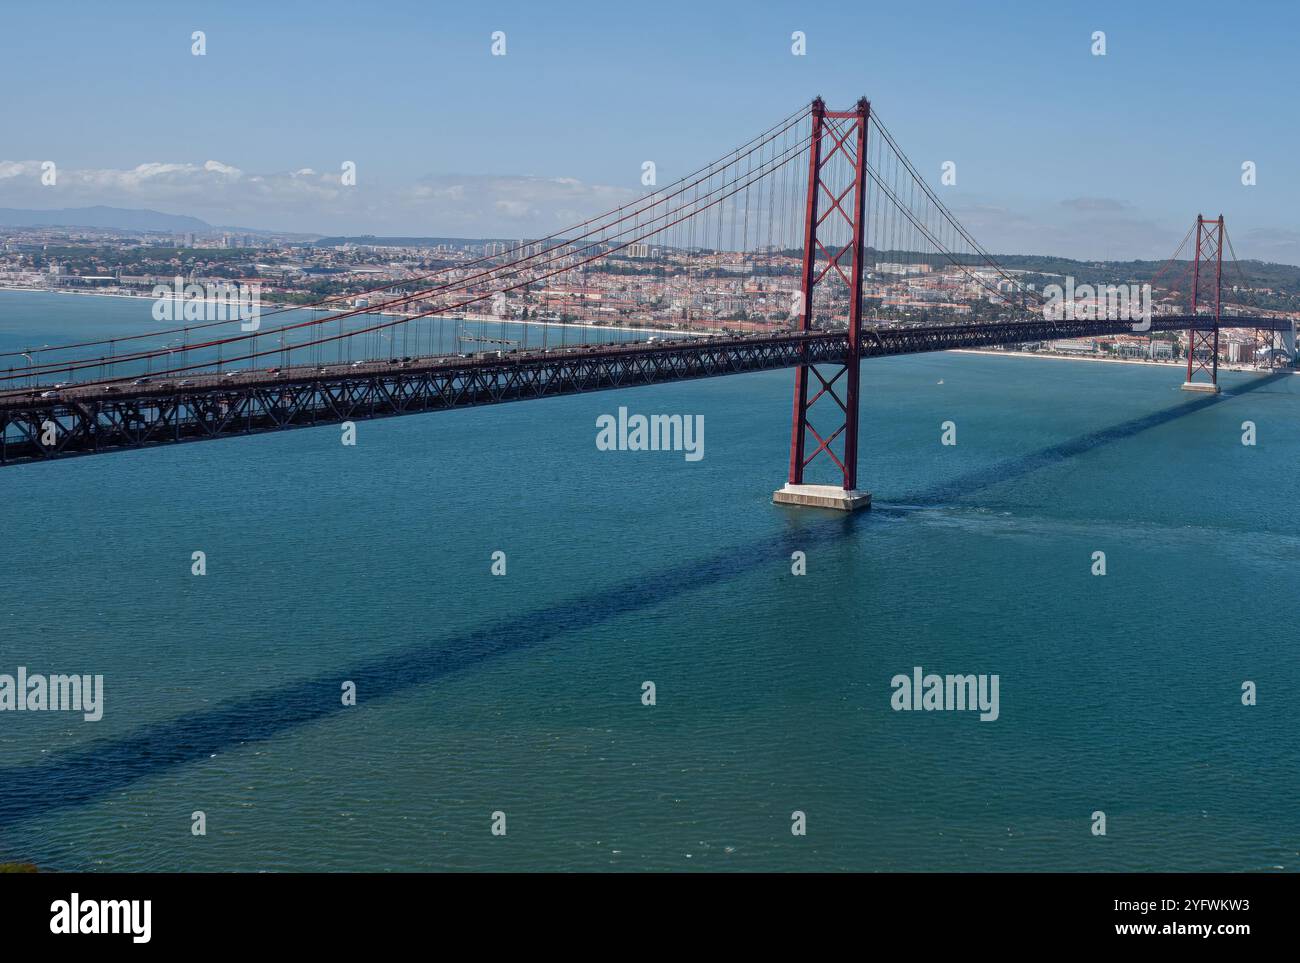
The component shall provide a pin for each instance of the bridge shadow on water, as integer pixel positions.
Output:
(950, 491)
(105, 766)
(80, 776)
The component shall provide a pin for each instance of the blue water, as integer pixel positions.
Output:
(522, 693)
(37, 323)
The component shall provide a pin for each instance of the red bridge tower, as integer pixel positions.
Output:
(1203, 343)
(833, 132)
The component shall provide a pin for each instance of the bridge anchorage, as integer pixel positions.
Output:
(848, 142)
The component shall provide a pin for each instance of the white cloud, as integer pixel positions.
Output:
(515, 205)
(220, 168)
(307, 200)
(1095, 205)
(478, 205)
(10, 169)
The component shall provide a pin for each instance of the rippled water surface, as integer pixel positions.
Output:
(522, 693)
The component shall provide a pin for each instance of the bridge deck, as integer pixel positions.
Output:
(101, 417)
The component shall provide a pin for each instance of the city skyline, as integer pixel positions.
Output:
(426, 132)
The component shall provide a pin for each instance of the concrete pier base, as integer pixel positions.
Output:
(822, 496)
(1201, 386)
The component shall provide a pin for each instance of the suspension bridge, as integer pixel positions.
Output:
(814, 246)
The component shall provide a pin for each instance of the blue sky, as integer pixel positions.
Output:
(1057, 151)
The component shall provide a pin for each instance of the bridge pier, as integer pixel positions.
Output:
(822, 496)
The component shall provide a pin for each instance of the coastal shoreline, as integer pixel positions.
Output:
(489, 319)
(283, 305)
(1063, 357)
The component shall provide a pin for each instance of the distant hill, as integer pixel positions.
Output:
(112, 218)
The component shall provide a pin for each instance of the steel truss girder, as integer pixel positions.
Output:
(115, 422)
